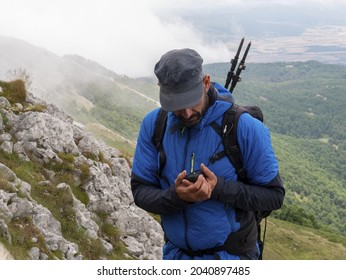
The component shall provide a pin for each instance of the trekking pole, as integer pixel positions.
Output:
(241, 67)
(234, 63)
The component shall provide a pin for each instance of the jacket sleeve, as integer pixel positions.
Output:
(155, 200)
(250, 197)
(265, 191)
(145, 184)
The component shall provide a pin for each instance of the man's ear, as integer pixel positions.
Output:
(206, 82)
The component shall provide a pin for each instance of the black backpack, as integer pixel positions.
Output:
(228, 133)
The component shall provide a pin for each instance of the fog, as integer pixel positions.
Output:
(125, 36)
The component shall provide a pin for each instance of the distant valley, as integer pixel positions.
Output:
(324, 44)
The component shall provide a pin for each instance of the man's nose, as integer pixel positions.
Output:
(186, 113)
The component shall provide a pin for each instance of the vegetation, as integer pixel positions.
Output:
(304, 100)
(315, 193)
(21, 74)
(15, 92)
(118, 108)
(60, 203)
(288, 241)
(26, 235)
(303, 107)
(112, 139)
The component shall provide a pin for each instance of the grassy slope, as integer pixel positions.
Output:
(288, 241)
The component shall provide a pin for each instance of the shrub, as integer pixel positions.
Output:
(18, 91)
(20, 74)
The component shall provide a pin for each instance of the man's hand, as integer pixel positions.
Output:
(200, 190)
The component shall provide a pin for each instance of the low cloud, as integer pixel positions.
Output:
(127, 37)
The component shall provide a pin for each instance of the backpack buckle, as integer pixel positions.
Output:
(242, 174)
(217, 156)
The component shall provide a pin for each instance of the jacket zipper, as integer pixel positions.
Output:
(192, 163)
(191, 167)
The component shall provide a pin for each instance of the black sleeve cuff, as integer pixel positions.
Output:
(216, 192)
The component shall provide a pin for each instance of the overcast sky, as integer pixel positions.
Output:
(127, 36)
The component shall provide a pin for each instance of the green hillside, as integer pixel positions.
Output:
(288, 241)
(315, 192)
(114, 105)
(303, 107)
(301, 99)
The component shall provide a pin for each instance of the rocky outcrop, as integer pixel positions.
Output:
(53, 145)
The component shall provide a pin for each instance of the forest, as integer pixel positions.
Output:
(303, 107)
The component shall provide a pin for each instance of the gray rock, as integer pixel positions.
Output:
(34, 253)
(7, 147)
(4, 231)
(7, 174)
(4, 102)
(40, 137)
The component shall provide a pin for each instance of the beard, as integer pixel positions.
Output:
(196, 117)
(192, 120)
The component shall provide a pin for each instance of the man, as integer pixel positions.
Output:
(213, 217)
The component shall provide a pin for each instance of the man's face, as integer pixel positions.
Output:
(192, 115)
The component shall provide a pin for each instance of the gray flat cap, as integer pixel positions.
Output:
(180, 78)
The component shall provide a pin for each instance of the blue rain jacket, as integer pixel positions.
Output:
(198, 226)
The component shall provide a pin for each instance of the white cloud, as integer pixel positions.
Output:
(127, 36)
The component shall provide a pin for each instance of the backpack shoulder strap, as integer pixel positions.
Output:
(159, 132)
(230, 140)
(228, 133)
